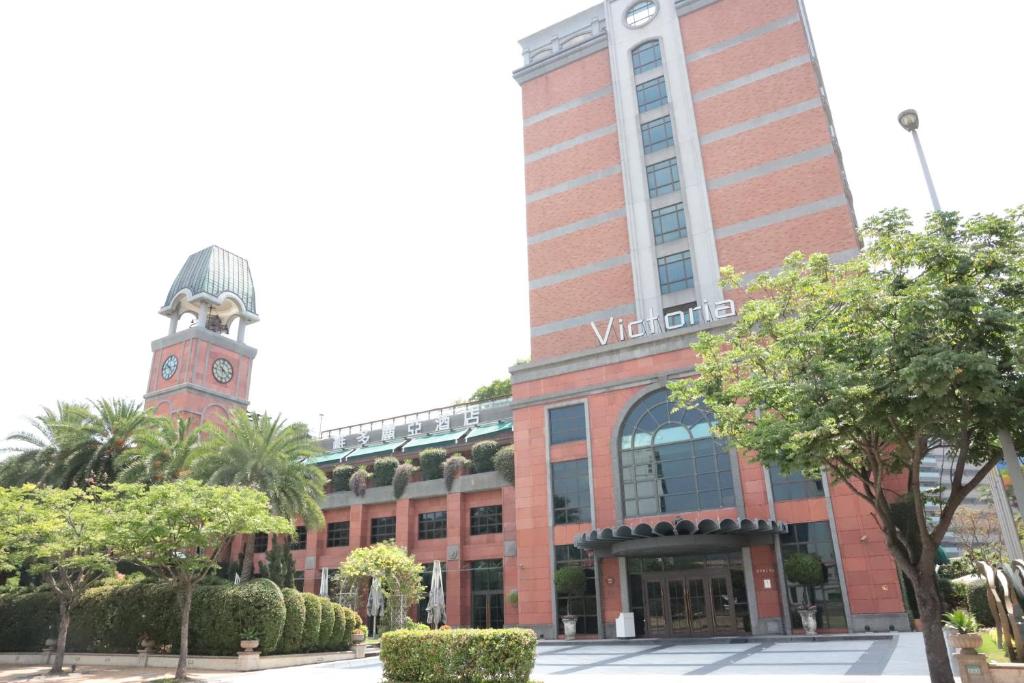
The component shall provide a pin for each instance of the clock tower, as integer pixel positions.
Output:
(201, 371)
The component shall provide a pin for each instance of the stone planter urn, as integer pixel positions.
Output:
(358, 636)
(359, 649)
(809, 619)
(249, 645)
(569, 624)
(49, 644)
(147, 644)
(968, 643)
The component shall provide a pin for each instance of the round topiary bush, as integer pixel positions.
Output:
(360, 481)
(311, 628)
(505, 464)
(431, 461)
(341, 476)
(452, 468)
(384, 470)
(403, 475)
(483, 456)
(294, 621)
(326, 623)
(220, 614)
(977, 598)
(506, 655)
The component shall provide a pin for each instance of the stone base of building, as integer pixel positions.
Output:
(244, 661)
(879, 623)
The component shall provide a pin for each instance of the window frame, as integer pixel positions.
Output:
(656, 83)
(658, 173)
(560, 422)
(436, 527)
(663, 235)
(377, 535)
(641, 51)
(666, 262)
(298, 541)
(486, 519)
(340, 535)
(657, 127)
(582, 489)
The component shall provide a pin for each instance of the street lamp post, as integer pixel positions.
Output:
(910, 121)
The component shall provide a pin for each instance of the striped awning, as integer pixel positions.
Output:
(681, 529)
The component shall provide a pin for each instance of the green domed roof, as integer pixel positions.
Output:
(214, 272)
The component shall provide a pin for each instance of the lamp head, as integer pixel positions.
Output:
(909, 120)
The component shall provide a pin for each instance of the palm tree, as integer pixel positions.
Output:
(37, 452)
(91, 453)
(268, 455)
(162, 454)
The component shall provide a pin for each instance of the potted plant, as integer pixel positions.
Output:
(250, 639)
(359, 635)
(570, 582)
(146, 642)
(807, 571)
(966, 637)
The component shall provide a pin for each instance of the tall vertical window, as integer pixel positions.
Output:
(261, 543)
(669, 223)
(646, 57)
(657, 134)
(433, 525)
(794, 486)
(487, 586)
(337, 534)
(485, 520)
(382, 529)
(568, 423)
(570, 491)
(651, 94)
(815, 538)
(675, 272)
(662, 177)
(585, 608)
(298, 541)
(300, 580)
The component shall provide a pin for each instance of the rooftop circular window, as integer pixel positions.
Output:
(641, 13)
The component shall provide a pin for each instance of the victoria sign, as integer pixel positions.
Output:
(655, 324)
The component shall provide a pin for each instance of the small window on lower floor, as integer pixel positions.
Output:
(675, 272)
(382, 529)
(261, 543)
(485, 520)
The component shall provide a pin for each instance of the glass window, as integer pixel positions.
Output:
(300, 581)
(641, 14)
(675, 272)
(585, 607)
(669, 223)
(646, 57)
(657, 134)
(382, 529)
(485, 520)
(487, 584)
(433, 525)
(670, 462)
(662, 177)
(651, 94)
(298, 541)
(815, 538)
(570, 491)
(337, 534)
(261, 543)
(425, 579)
(794, 486)
(568, 423)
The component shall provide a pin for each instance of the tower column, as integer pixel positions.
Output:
(174, 323)
(241, 330)
(204, 313)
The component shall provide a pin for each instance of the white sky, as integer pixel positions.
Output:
(367, 159)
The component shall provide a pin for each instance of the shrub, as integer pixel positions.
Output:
(352, 622)
(483, 655)
(571, 582)
(340, 477)
(384, 470)
(483, 456)
(505, 464)
(338, 632)
(977, 599)
(326, 623)
(955, 568)
(114, 618)
(453, 467)
(221, 613)
(360, 481)
(294, 621)
(27, 619)
(430, 462)
(947, 594)
(402, 477)
(311, 628)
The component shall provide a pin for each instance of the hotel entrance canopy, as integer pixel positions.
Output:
(679, 537)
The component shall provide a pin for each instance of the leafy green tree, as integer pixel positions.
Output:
(37, 451)
(399, 574)
(499, 388)
(268, 455)
(178, 530)
(92, 453)
(163, 453)
(863, 368)
(280, 565)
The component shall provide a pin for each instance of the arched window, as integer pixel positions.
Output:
(670, 461)
(646, 56)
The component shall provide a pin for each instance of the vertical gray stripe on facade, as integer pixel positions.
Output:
(567, 106)
(569, 144)
(771, 167)
(835, 548)
(585, 319)
(751, 78)
(573, 227)
(574, 273)
(787, 624)
(782, 216)
(759, 121)
(593, 516)
(743, 37)
(572, 184)
(551, 526)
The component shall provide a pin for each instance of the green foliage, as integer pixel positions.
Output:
(804, 569)
(294, 621)
(311, 628)
(483, 456)
(384, 470)
(571, 582)
(27, 620)
(221, 613)
(115, 618)
(505, 463)
(431, 460)
(499, 388)
(957, 567)
(360, 481)
(352, 622)
(948, 594)
(452, 468)
(280, 565)
(338, 639)
(326, 623)
(398, 571)
(459, 655)
(962, 620)
(341, 475)
(403, 475)
(977, 601)
(164, 452)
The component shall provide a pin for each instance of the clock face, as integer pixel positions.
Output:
(169, 367)
(222, 370)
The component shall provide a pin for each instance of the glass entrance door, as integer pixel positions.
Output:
(689, 604)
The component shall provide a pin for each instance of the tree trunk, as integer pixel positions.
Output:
(929, 604)
(250, 549)
(62, 637)
(185, 597)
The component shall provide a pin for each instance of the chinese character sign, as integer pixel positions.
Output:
(387, 433)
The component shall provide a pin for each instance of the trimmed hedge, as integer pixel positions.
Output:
(505, 464)
(326, 623)
(311, 628)
(294, 621)
(384, 470)
(430, 462)
(221, 613)
(114, 618)
(483, 456)
(977, 598)
(467, 655)
(340, 477)
(27, 620)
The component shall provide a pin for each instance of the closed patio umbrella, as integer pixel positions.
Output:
(375, 602)
(435, 601)
(325, 575)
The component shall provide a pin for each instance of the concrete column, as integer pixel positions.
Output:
(403, 523)
(204, 313)
(241, 330)
(458, 602)
(173, 326)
